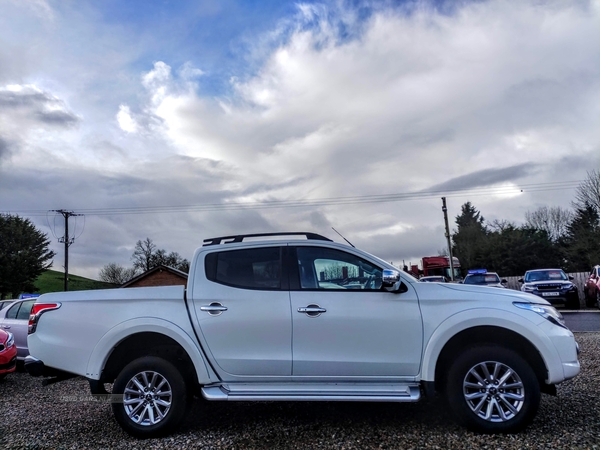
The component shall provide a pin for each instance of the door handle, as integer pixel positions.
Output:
(214, 309)
(312, 310)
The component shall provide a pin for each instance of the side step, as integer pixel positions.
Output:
(344, 392)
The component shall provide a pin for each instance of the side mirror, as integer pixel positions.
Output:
(571, 278)
(390, 277)
(520, 280)
(503, 281)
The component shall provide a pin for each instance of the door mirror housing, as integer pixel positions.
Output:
(391, 281)
(390, 277)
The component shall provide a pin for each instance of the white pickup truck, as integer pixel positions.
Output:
(295, 316)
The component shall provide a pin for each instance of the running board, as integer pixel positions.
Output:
(350, 392)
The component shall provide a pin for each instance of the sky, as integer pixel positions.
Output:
(189, 119)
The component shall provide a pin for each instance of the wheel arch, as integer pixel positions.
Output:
(129, 341)
(489, 335)
(468, 327)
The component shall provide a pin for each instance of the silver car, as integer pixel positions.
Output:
(15, 318)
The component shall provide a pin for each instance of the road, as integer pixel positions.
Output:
(583, 320)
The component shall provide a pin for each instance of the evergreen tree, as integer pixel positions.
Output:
(581, 244)
(24, 255)
(469, 240)
(513, 250)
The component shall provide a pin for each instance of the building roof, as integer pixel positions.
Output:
(149, 273)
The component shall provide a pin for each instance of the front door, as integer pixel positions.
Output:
(345, 325)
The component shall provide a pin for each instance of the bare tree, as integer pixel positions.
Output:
(553, 220)
(588, 192)
(116, 274)
(143, 255)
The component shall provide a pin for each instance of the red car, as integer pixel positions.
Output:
(591, 289)
(8, 353)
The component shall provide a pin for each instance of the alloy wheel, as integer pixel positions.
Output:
(494, 391)
(147, 398)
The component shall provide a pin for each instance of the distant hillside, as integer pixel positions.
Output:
(53, 281)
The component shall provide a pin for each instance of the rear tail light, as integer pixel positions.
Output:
(36, 312)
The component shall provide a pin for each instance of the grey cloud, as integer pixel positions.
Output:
(319, 220)
(57, 118)
(485, 177)
(268, 187)
(5, 148)
(38, 105)
(15, 99)
(406, 247)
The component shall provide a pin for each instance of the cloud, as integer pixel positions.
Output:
(338, 100)
(36, 106)
(126, 121)
(5, 148)
(486, 177)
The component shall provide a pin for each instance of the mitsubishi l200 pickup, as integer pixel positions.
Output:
(297, 317)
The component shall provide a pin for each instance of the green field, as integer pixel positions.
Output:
(53, 281)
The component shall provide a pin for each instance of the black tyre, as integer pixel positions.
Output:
(155, 397)
(590, 299)
(492, 389)
(574, 304)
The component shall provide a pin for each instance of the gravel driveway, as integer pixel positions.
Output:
(62, 416)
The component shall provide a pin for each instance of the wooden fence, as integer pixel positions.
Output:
(579, 279)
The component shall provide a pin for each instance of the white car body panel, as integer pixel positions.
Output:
(91, 323)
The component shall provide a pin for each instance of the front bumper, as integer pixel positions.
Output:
(557, 297)
(9, 366)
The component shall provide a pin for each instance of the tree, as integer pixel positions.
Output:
(512, 250)
(146, 256)
(580, 245)
(588, 192)
(553, 220)
(117, 274)
(24, 255)
(469, 240)
(173, 259)
(142, 255)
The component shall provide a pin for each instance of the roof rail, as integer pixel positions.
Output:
(241, 237)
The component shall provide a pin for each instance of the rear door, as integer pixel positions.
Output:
(345, 325)
(242, 306)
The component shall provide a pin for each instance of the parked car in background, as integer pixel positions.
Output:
(8, 353)
(553, 285)
(15, 319)
(434, 279)
(482, 277)
(5, 303)
(591, 290)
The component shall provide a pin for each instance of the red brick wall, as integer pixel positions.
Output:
(160, 278)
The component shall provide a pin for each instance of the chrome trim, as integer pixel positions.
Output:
(214, 309)
(312, 310)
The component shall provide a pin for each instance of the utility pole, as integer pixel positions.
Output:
(67, 241)
(451, 259)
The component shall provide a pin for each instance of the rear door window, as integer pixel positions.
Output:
(254, 268)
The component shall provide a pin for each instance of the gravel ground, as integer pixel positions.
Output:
(62, 416)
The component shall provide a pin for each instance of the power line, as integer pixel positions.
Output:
(331, 201)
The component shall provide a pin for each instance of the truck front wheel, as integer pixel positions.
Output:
(154, 397)
(492, 389)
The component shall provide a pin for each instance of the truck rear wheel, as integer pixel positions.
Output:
(155, 397)
(492, 389)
